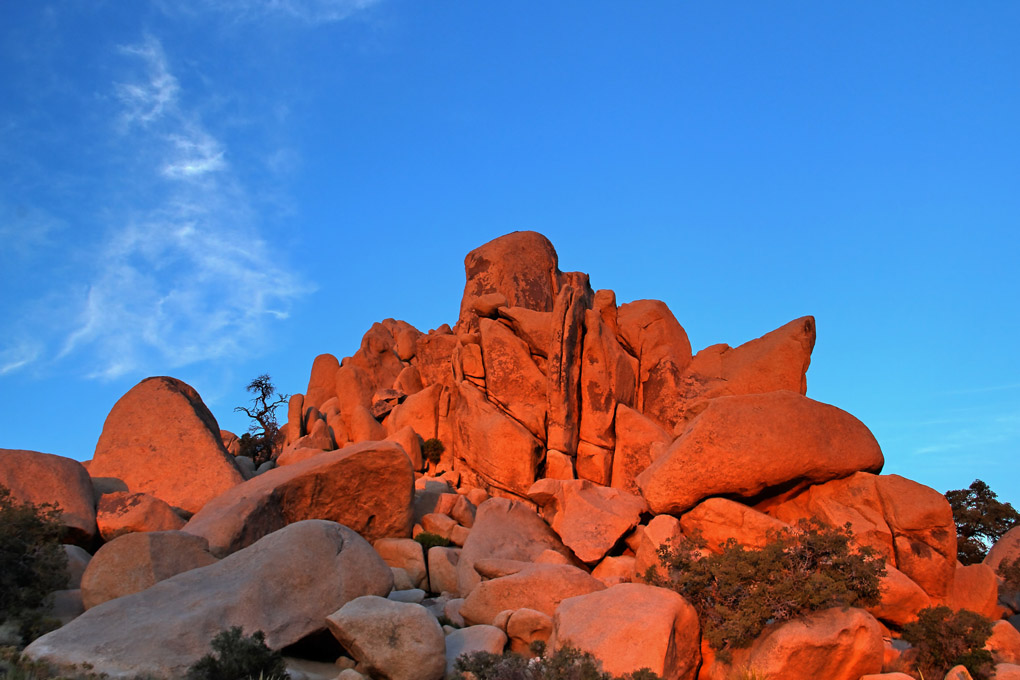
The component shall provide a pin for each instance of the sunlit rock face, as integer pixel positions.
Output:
(551, 442)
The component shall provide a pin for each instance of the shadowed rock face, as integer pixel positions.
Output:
(286, 584)
(161, 439)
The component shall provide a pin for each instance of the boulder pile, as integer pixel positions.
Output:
(578, 436)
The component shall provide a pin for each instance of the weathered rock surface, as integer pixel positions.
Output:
(639, 441)
(776, 361)
(632, 626)
(504, 529)
(836, 644)
(160, 439)
(122, 512)
(608, 378)
(136, 561)
(521, 266)
(473, 639)
(588, 518)
(393, 640)
(38, 478)
(539, 586)
(652, 334)
(495, 447)
(368, 487)
(260, 588)
(512, 380)
(745, 444)
(719, 520)
(976, 587)
(322, 381)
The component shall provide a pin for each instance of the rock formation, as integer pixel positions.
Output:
(578, 435)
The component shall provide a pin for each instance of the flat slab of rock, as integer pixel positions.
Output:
(39, 478)
(161, 439)
(164, 629)
(393, 640)
(742, 445)
(368, 487)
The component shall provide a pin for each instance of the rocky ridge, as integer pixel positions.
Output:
(579, 435)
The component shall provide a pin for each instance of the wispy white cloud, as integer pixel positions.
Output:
(184, 277)
(17, 357)
(312, 12)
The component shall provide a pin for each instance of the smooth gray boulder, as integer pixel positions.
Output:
(285, 585)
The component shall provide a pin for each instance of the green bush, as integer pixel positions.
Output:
(943, 639)
(739, 591)
(432, 450)
(33, 563)
(565, 664)
(430, 540)
(239, 657)
(981, 520)
(16, 666)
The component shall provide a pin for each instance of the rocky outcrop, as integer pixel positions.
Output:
(39, 478)
(164, 629)
(391, 640)
(538, 586)
(746, 444)
(366, 486)
(161, 439)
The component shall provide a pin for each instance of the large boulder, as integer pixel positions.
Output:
(719, 520)
(608, 378)
(391, 640)
(521, 266)
(160, 439)
(776, 361)
(122, 512)
(512, 380)
(322, 381)
(632, 626)
(538, 586)
(164, 629)
(473, 639)
(639, 440)
(588, 518)
(652, 334)
(497, 449)
(136, 561)
(38, 478)
(745, 444)
(835, 644)
(563, 368)
(976, 587)
(504, 529)
(368, 487)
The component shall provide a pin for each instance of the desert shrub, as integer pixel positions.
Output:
(981, 520)
(943, 638)
(430, 540)
(239, 657)
(566, 663)
(739, 591)
(432, 450)
(33, 563)
(16, 666)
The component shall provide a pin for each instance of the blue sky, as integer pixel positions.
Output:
(213, 190)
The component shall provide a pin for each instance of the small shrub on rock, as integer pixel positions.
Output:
(33, 563)
(739, 591)
(566, 663)
(943, 638)
(981, 520)
(432, 450)
(239, 657)
(1010, 573)
(429, 540)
